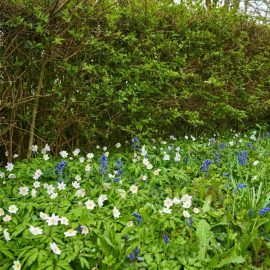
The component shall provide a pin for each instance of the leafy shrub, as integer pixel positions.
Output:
(113, 70)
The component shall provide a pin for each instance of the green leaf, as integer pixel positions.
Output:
(84, 262)
(64, 265)
(207, 204)
(232, 259)
(4, 250)
(203, 234)
(31, 259)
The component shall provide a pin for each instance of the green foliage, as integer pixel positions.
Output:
(203, 234)
(113, 70)
(224, 231)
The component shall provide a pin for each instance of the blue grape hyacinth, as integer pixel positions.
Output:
(205, 165)
(264, 210)
(138, 218)
(60, 167)
(103, 164)
(242, 158)
(166, 238)
(134, 255)
(135, 143)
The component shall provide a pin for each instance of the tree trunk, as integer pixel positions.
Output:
(246, 6)
(227, 4)
(35, 109)
(236, 5)
(208, 3)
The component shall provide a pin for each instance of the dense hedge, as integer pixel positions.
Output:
(114, 70)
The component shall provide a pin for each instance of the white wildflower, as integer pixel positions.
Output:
(187, 204)
(156, 172)
(101, 199)
(34, 148)
(7, 235)
(118, 145)
(76, 185)
(64, 154)
(149, 166)
(55, 249)
(186, 198)
(46, 157)
(90, 204)
(16, 265)
(33, 193)
(111, 175)
(7, 218)
(130, 223)
(166, 210)
(90, 155)
(122, 193)
(9, 166)
(46, 149)
(61, 186)
(80, 193)
(64, 221)
(70, 233)
(52, 220)
(84, 230)
(146, 161)
(133, 189)
(43, 215)
(53, 195)
(116, 213)
(177, 157)
(255, 163)
(37, 174)
(36, 184)
(13, 209)
(144, 177)
(35, 230)
(176, 200)
(168, 203)
(107, 186)
(76, 152)
(87, 168)
(45, 185)
(23, 191)
(231, 143)
(166, 157)
(50, 189)
(186, 214)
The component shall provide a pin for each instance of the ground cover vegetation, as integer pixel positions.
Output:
(78, 80)
(77, 73)
(190, 203)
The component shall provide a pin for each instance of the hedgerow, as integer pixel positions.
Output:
(76, 74)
